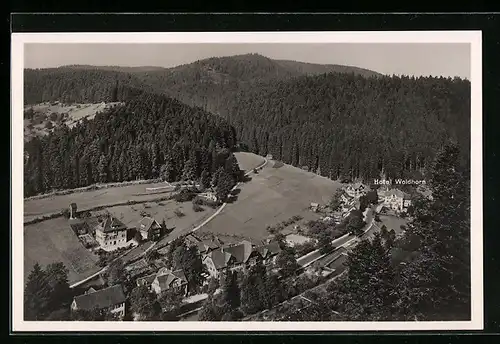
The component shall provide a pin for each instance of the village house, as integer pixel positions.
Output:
(149, 228)
(110, 233)
(164, 280)
(314, 207)
(239, 256)
(110, 299)
(397, 200)
(269, 252)
(357, 190)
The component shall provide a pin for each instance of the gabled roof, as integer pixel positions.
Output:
(269, 249)
(146, 223)
(101, 299)
(240, 252)
(220, 258)
(209, 245)
(109, 223)
(166, 277)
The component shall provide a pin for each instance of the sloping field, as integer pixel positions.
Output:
(90, 199)
(248, 161)
(273, 195)
(53, 241)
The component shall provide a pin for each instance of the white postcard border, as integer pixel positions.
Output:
(17, 64)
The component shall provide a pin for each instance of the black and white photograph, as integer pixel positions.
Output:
(247, 181)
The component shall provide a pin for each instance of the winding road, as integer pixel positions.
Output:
(223, 205)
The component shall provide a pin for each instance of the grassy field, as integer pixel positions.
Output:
(89, 199)
(54, 241)
(248, 161)
(273, 195)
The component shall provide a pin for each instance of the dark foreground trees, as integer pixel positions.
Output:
(425, 274)
(47, 295)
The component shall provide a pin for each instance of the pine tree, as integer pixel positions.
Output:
(370, 286)
(443, 229)
(232, 167)
(60, 292)
(36, 295)
(205, 179)
(231, 290)
(224, 185)
(102, 168)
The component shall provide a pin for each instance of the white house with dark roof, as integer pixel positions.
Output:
(111, 299)
(357, 190)
(110, 233)
(396, 199)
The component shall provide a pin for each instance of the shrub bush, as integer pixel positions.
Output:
(179, 213)
(197, 208)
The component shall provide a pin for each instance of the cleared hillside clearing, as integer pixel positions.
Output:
(273, 195)
(248, 161)
(49, 115)
(53, 241)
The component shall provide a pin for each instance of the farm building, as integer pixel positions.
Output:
(110, 233)
(149, 228)
(111, 299)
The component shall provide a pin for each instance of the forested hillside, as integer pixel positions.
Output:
(78, 85)
(355, 124)
(151, 135)
(351, 126)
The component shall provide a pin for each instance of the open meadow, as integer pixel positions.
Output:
(54, 241)
(273, 195)
(248, 161)
(87, 200)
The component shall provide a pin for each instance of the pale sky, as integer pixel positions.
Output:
(418, 59)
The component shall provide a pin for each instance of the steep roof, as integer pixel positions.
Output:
(220, 258)
(240, 252)
(146, 223)
(110, 224)
(269, 249)
(100, 299)
(165, 277)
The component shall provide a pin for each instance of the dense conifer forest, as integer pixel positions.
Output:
(151, 136)
(351, 125)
